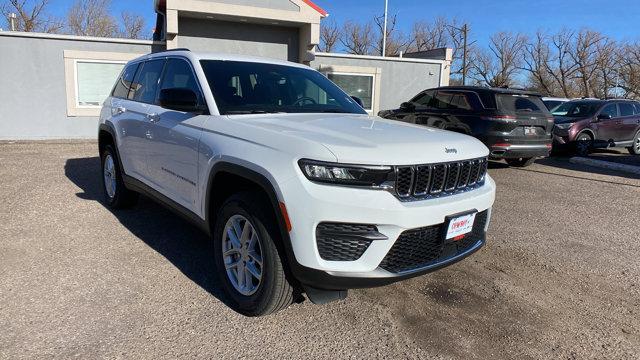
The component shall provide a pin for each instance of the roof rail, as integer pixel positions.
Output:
(177, 49)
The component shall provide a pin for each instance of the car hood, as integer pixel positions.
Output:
(363, 139)
(567, 119)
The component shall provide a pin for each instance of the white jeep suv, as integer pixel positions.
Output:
(300, 190)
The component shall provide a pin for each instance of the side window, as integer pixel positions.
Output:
(178, 74)
(636, 108)
(626, 109)
(460, 101)
(145, 85)
(123, 84)
(442, 100)
(611, 109)
(452, 100)
(425, 98)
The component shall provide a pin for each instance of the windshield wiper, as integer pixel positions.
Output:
(244, 112)
(337, 111)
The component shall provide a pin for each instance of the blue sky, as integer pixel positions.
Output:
(617, 18)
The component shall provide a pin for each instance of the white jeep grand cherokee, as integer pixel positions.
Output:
(300, 189)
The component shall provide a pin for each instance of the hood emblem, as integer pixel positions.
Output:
(450, 150)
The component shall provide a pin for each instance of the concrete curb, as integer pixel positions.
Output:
(606, 165)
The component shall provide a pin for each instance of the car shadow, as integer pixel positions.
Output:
(562, 162)
(180, 242)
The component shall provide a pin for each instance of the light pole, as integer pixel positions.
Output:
(12, 21)
(465, 35)
(384, 30)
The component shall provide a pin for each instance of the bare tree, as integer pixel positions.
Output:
(584, 54)
(561, 67)
(329, 36)
(31, 16)
(91, 18)
(537, 54)
(357, 38)
(499, 65)
(132, 26)
(629, 73)
(438, 34)
(430, 35)
(396, 41)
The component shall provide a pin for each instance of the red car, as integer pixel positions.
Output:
(585, 124)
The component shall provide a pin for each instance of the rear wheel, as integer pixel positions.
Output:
(634, 149)
(116, 195)
(520, 162)
(247, 259)
(583, 144)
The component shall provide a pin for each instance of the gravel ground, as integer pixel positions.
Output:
(558, 278)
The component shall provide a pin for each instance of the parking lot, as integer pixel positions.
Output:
(558, 278)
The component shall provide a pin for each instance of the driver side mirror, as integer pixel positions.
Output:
(604, 117)
(358, 101)
(180, 99)
(407, 106)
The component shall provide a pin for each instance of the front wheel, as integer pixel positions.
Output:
(583, 144)
(634, 149)
(247, 259)
(520, 162)
(116, 195)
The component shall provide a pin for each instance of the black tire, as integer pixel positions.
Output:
(520, 162)
(122, 197)
(583, 144)
(274, 292)
(634, 149)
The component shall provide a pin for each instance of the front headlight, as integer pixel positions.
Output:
(347, 174)
(564, 126)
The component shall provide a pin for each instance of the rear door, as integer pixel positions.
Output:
(140, 98)
(532, 122)
(454, 110)
(628, 122)
(174, 137)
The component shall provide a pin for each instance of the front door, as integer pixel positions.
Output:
(174, 137)
(607, 128)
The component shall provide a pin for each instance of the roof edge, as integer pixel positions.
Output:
(317, 8)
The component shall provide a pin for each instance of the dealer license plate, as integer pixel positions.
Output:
(460, 225)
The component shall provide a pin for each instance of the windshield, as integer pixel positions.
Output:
(251, 88)
(577, 109)
(552, 104)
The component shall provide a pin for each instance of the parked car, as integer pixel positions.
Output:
(514, 124)
(300, 190)
(584, 124)
(553, 102)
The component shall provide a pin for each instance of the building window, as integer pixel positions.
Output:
(360, 81)
(359, 85)
(89, 78)
(94, 81)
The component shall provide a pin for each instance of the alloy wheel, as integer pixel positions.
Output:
(242, 255)
(109, 176)
(583, 144)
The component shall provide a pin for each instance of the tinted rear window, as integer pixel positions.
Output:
(520, 103)
(626, 109)
(123, 85)
(454, 100)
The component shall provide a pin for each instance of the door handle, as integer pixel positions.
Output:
(154, 118)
